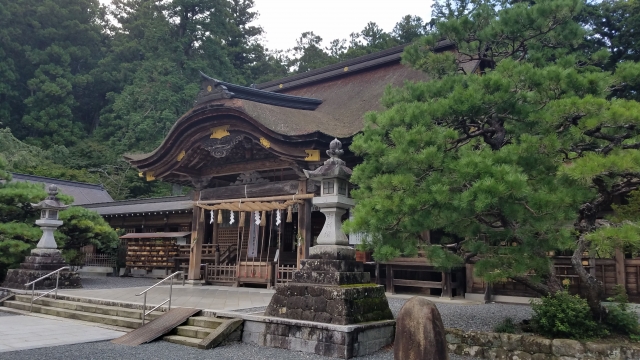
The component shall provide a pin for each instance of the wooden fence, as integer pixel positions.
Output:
(105, 260)
(217, 274)
(611, 272)
(285, 273)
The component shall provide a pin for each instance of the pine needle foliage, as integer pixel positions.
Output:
(504, 149)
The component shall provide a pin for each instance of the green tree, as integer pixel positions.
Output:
(409, 29)
(308, 53)
(19, 234)
(82, 227)
(514, 164)
(49, 49)
(614, 25)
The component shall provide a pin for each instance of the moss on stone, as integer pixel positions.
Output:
(348, 286)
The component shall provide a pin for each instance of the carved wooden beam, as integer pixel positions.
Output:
(236, 168)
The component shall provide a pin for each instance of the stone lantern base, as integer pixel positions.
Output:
(330, 291)
(40, 263)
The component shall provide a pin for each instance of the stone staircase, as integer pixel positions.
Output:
(101, 314)
(198, 331)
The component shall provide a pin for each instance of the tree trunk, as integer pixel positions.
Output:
(593, 290)
(549, 285)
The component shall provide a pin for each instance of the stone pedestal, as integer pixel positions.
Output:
(330, 291)
(40, 263)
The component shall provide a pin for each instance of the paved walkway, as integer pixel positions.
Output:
(205, 297)
(29, 332)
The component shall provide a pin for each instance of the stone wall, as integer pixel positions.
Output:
(329, 340)
(486, 345)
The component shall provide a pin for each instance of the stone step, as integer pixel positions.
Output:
(331, 277)
(204, 322)
(182, 340)
(193, 331)
(89, 308)
(76, 315)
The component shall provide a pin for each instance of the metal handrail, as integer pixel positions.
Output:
(33, 286)
(144, 304)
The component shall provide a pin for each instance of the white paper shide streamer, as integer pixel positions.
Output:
(232, 219)
(278, 217)
(257, 217)
(211, 221)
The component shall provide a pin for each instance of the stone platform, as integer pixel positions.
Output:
(16, 278)
(40, 263)
(338, 341)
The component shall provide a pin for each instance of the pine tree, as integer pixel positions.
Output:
(512, 164)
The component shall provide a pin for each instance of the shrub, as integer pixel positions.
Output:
(506, 326)
(562, 315)
(619, 318)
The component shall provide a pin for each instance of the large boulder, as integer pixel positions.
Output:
(420, 334)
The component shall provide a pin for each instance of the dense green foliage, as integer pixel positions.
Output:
(19, 234)
(562, 315)
(620, 318)
(513, 164)
(81, 84)
(506, 326)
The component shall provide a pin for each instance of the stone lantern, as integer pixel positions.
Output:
(331, 286)
(49, 209)
(46, 257)
(333, 202)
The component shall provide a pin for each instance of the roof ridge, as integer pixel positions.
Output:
(140, 201)
(362, 62)
(338, 65)
(61, 181)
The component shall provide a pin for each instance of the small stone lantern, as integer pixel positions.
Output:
(333, 202)
(49, 209)
(46, 257)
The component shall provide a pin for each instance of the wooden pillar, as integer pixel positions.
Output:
(620, 269)
(304, 222)
(390, 288)
(197, 236)
(446, 285)
(469, 278)
(214, 237)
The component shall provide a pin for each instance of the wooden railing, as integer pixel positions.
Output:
(208, 250)
(221, 273)
(285, 273)
(105, 260)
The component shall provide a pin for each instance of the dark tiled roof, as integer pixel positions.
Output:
(135, 206)
(83, 193)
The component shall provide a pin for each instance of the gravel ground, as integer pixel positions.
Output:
(466, 317)
(114, 282)
(2, 313)
(161, 350)
(473, 317)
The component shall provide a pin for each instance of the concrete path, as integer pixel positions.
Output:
(28, 332)
(205, 297)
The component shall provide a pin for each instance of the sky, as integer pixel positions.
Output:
(284, 20)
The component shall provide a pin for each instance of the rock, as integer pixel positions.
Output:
(420, 334)
(536, 344)
(566, 347)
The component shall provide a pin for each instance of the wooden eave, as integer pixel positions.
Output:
(179, 153)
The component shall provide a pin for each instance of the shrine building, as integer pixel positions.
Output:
(249, 219)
